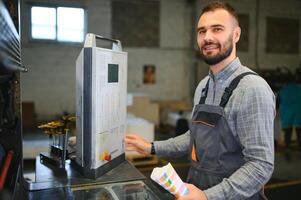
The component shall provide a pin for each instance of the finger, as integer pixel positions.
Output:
(137, 151)
(126, 140)
(141, 151)
(182, 198)
(131, 149)
(131, 136)
(130, 141)
(135, 148)
(129, 145)
(188, 185)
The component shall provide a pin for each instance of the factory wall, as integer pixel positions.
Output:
(50, 83)
(173, 57)
(256, 57)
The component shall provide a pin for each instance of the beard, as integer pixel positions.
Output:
(225, 51)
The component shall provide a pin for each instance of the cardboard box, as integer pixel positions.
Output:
(144, 108)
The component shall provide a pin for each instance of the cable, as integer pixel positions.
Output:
(5, 167)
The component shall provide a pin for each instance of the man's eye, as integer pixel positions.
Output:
(217, 29)
(202, 32)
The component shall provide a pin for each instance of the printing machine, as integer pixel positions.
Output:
(99, 169)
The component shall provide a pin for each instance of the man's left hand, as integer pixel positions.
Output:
(194, 193)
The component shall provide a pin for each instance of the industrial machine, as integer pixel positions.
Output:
(101, 89)
(10, 108)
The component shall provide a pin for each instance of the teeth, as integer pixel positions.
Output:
(210, 47)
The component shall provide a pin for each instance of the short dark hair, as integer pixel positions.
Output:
(212, 6)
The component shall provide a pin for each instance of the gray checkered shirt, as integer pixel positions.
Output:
(250, 113)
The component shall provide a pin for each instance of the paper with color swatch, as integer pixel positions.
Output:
(168, 178)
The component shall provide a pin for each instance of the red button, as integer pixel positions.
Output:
(108, 157)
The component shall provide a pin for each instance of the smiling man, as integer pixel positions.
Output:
(230, 141)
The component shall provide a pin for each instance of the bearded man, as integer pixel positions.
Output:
(230, 142)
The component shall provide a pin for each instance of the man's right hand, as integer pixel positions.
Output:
(138, 144)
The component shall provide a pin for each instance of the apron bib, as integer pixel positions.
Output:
(215, 152)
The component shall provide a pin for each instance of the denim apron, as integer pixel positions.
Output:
(215, 153)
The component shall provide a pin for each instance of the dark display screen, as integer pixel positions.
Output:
(113, 73)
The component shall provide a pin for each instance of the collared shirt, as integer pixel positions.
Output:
(250, 113)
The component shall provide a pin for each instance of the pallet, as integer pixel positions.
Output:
(141, 160)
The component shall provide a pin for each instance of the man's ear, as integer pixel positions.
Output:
(236, 35)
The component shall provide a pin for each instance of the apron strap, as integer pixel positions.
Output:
(204, 93)
(228, 90)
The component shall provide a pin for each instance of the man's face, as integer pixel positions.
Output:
(215, 35)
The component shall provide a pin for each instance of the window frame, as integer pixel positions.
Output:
(56, 6)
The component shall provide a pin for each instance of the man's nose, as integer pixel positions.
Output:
(208, 36)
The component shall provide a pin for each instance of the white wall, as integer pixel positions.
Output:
(172, 59)
(51, 79)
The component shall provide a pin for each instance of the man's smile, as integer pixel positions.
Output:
(210, 47)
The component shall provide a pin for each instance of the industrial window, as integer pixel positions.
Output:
(63, 24)
(282, 35)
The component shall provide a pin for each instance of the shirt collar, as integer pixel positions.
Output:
(225, 73)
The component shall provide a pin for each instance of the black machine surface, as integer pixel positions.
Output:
(122, 182)
(125, 191)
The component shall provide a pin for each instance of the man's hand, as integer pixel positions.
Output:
(194, 193)
(137, 143)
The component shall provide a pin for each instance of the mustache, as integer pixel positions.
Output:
(211, 43)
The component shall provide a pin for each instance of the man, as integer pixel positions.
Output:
(230, 141)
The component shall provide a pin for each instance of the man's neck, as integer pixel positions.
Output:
(215, 69)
